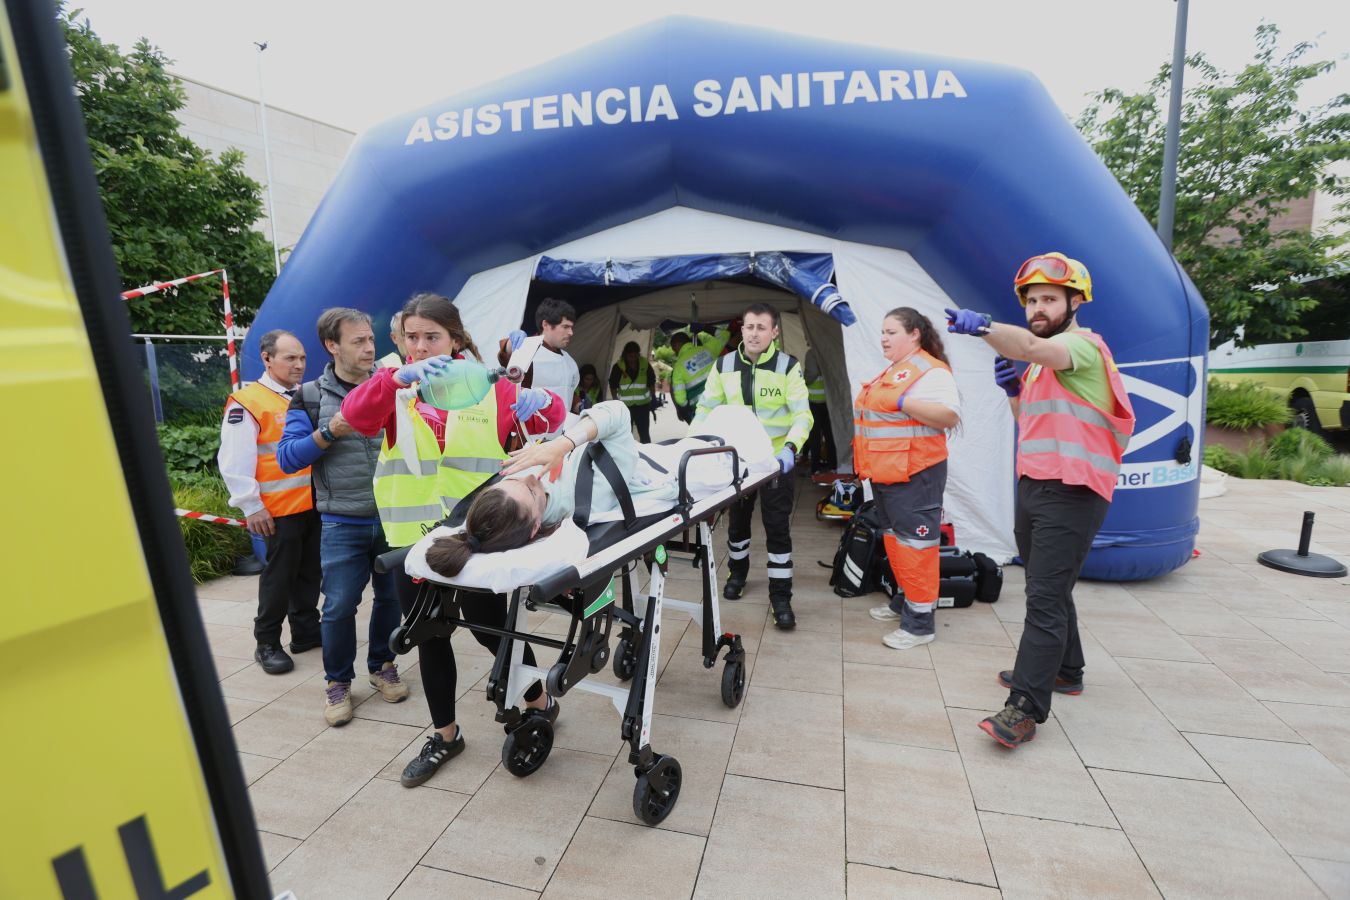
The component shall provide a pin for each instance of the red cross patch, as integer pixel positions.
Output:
(901, 375)
(921, 531)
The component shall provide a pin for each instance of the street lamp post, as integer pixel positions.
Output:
(1167, 199)
(267, 160)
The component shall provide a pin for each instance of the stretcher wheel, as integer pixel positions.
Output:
(526, 748)
(625, 660)
(650, 804)
(398, 640)
(733, 683)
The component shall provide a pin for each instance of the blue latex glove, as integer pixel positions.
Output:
(967, 321)
(786, 459)
(515, 339)
(418, 371)
(531, 401)
(900, 403)
(1005, 376)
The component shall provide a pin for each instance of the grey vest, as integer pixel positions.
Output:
(344, 477)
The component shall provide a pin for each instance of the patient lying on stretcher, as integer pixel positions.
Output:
(539, 490)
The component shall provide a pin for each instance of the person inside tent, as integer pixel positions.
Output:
(551, 367)
(694, 358)
(587, 393)
(529, 503)
(428, 461)
(633, 381)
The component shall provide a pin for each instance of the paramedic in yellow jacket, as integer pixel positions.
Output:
(759, 374)
(900, 423)
(694, 359)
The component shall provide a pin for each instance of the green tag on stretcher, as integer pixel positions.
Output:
(605, 599)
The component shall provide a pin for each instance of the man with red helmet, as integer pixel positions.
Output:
(1074, 422)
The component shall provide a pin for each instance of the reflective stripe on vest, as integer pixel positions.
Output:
(633, 388)
(1062, 437)
(282, 493)
(889, 445)
(816, 390)
(768, 380)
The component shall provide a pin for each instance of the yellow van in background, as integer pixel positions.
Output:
(1314, 377)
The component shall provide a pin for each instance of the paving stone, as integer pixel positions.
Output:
(228, 665)
(771, 839)
(1324, 644)
(1146, 639)
(790, 736)
(669, 862)
(911, 807)
(1332, 877)
(1325, 727)
(861, 639)
(1200, 697)
(1187, 614)
(794, 660)
(1271, 671)
(276, 847)
(1198, 840)
(976, 624)
(239, 710)
(895, 706)
(1298, 794)
(687, 689)
(418, 817)
(482, 754)
(1038, 858)
(968, 673)
(872, 883)
(426, 883)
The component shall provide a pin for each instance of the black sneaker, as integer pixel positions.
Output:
(735, 587)
(273, 659)
(1011, 727)
(549, 712)
(435, 753)
(1072, 688)
(783, 616)
(302, 646)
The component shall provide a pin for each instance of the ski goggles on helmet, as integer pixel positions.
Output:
(1053, 269)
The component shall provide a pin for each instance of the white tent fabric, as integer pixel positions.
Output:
(980, 485)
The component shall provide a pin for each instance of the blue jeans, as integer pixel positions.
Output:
(347, 553)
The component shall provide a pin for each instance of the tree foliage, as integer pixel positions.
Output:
(1247, 148)
(172, 208)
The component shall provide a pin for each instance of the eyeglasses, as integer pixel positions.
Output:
(1052, 268)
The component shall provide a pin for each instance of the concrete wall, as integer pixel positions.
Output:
(306, 154)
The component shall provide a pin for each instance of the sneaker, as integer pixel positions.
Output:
(900, 639)
(884, 614)
(734, 589)
(337, 708)
(1072, 688)
(434, 754)
(549, 712)
(1011, 727)
(387, 682)
(302, 646)
(273, 659)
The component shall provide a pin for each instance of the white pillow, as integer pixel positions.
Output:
(505, 571)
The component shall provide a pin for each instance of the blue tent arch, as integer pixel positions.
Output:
(968, 167)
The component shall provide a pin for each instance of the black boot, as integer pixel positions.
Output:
(735, 586)
(782, 614)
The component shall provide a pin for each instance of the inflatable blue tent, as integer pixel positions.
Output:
(687, 167)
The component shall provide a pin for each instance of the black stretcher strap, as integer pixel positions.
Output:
(597, 457)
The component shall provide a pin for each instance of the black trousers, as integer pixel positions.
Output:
(776, 513)
(436, 657)
(820, 445)
(1054, 526)
(289, 584)
(642, 421)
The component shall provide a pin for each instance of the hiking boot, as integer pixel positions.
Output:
(1011, 727)
(273, 659)
(337, 708)
(884, 614)
(387, 682)
(735, 587)
(900, 639)
(782, 614)
(1072, 688)
(302, 646)
(434, 754)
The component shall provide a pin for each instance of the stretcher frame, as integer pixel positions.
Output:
(584, 591)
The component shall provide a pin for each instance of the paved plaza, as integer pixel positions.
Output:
(1208, 756)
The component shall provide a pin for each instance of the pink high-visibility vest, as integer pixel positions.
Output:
(1062, 437)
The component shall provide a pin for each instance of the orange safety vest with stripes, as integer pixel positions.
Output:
(888, 445)
(283, 493)
(1062, 437)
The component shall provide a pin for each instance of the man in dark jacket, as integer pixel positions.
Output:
(343, 472)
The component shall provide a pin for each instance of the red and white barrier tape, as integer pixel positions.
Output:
(229, 315)
(207, 517)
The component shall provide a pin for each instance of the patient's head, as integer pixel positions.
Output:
(503, 517)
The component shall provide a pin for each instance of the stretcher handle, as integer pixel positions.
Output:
(391, 559)
(685, 499)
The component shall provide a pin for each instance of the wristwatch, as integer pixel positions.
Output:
(326, 434)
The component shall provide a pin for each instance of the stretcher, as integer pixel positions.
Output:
(581, 584)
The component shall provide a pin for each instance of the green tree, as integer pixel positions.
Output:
(172, 209)
(1247, 149)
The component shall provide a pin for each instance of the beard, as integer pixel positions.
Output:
(1045, 327)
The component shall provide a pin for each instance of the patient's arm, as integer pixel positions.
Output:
(549, 453)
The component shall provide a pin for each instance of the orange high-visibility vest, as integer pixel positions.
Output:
(1062, 437)
(283, 493)
(888, 445)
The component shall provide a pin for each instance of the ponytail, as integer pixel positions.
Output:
(930, 340)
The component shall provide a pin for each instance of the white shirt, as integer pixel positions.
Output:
(936, 386)
(238, 456)
(555, 370)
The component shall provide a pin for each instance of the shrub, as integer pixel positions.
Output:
(212, 549)
(1299, 443)
(1221, 458)
(1244, 405)
(189, 449)
(1254, 463)
(1293, 455)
